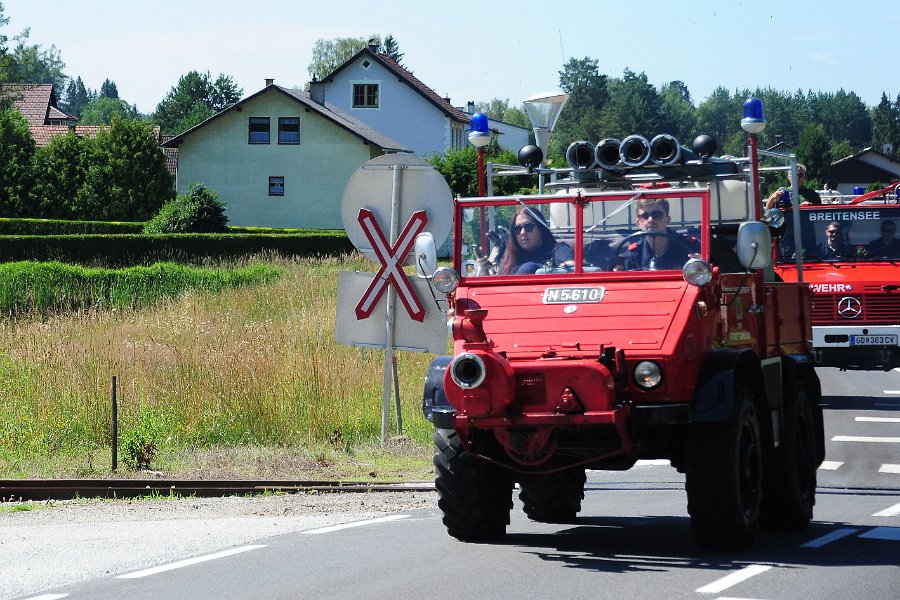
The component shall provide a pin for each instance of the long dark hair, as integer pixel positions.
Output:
(512, 257)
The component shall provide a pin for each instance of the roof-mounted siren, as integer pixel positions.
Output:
(665, 150)
(634, 151)
(606, 154)
(580, 155)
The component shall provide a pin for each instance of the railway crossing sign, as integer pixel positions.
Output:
(384, 193)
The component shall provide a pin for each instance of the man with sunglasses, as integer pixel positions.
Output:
(808, 196)
(887, 245)
(834, 245)
(658, 247)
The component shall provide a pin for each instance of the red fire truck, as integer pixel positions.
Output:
(598, 357)
(851, 261)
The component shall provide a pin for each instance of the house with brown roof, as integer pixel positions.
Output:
(39, 104)
(866, 166)
(278, 158)
(375, 89)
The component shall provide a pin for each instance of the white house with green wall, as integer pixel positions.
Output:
(278, 158)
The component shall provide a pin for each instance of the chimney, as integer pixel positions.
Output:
(470, 108)
(373, 46)
(317, 91)
(269, 81)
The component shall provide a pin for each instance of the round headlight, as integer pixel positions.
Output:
(697, 272)
(445, 280)
(647, 374)
(467, 370)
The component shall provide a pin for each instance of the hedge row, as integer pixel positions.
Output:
(11, 226)
(126, 250)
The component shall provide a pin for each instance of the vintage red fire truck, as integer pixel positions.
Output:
(854, 276)
(598, 359)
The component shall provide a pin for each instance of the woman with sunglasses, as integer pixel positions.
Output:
(530, 244)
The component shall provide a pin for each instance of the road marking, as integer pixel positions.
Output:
(354, 524)
(652, 463)
(47, 597)
(188, 562)
(883, 533)
(831, 537)
(830, 465)
(892, 391)
(888, 512)
(878, 419)
(733, 579)
(889, 468)
(863, 438)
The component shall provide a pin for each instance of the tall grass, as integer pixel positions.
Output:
(254, 364)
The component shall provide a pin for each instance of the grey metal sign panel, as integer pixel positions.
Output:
(416, 185)
(431, 335)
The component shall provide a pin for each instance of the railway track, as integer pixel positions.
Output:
(19, 490)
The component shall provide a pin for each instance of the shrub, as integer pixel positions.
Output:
(198, 211)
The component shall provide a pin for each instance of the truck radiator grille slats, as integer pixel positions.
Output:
(876, 309)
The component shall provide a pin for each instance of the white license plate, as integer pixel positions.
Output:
(873, 340)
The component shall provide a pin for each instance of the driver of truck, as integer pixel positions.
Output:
(886, 245)
(530, 245)
(834, 245)
(656, 246)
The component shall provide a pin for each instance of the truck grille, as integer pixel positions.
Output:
(876, 309)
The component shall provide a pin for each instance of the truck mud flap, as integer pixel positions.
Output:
(435, 406)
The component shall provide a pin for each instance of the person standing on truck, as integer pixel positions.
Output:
(658, 247)
(887, 245)
(809, 196)
(834, 245)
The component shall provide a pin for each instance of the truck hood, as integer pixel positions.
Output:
(574, 319)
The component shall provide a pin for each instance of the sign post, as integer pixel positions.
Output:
(393, 189)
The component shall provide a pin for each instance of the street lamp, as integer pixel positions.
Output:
(480, 137)
(543, 110)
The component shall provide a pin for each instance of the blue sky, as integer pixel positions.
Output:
(479, 50)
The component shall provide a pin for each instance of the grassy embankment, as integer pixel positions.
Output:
(226, 372)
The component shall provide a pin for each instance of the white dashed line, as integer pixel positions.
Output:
(735, 578)
(831, 537)
(888, 512)
(188, 562)
(889, 468)
(878, 419)
(892, 392)
(354, 524)
(48, 597)
(830, 465)
(863, 438)
(883, 533)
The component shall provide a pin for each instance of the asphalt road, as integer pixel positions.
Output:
(631, 541)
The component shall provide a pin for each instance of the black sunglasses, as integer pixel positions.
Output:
(528, 227)
(656, 214)
(832, 232)
(888, 230)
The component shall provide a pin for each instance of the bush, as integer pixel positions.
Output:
(198, 211)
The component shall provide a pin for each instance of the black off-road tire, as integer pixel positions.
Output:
(790, 490)
(474, 495)
(724, 477)
(554, 498)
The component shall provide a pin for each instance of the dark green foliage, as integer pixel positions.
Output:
(198, 211)
(101, 110)
(195, 94)
(16, 151)
(65, 227)
(460, 169)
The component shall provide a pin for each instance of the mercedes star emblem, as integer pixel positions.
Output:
(849, 307)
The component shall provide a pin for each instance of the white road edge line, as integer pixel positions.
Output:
(831, 465)
(735, 578)
(864, 438)
(831, 537)
(190, 561)
(354, 524)
(888, 512)
(47, 597)
(878, 419)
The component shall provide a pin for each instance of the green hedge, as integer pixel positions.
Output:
(125, 250)
(62, 227)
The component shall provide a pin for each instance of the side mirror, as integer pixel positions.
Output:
(425, 255)
(754, 245)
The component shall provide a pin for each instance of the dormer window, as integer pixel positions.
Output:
(365, 95)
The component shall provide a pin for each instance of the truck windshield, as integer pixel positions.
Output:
(646, 230)
(842, 233)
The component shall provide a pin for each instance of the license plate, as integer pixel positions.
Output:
(873, 340)
(573, 295)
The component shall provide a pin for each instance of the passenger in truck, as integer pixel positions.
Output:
(887, 245)
(834, 245)
(655, 246)
(530, 246)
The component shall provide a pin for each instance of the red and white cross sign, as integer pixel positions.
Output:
(391, 258)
